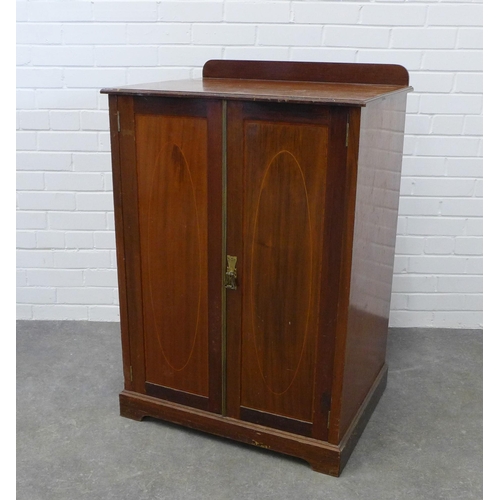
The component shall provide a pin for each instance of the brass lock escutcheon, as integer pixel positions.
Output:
(231, 274)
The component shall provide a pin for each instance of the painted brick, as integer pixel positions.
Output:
(448, 146)
(464, 167)
(439, 265)
(104, 313)
(94, 201)
(473, 125)
(92, 162)
(447, 124)
(410, 59)
(34, 120)
(49, 239)
(432, 82)
(94, 77)
(127, 56)
(421, 206)
(439, 227)
(64, 120)
(58, 55)
(441, 187)
(190, 12)
(33, 200)
(455, 15)
(474, 227)
(439, 301)
(325, 12)
(451, 104)
(142, 75)
(423, 38)
(222, 34)
(34, 258)
(95, 120)
(55, 277)
(417, 124)
(104, 239)
(343, 36)
(26, 141)
(66, 99)
(439, 245)
(460, 284)
(101, 277)
(288, 34)
(38, 33)
(59, 11)
(25, 239)
(87, 295)
(78, 239)
(76, 220)
(325, 54)
(36, 295)
(393, 15)
(257, 12)
(67, 141)
(24, 311)
(29, 181)
(469, 82)
(158, 34)
(62, 181)
(474, 265)
(458, 319)
(81, 259)
(94, 33)
(257, 53)
(125, 11)
(409, 245)
(470, 38)
(468, 246)
(424, 166)
(187, 56)
(31, 220)
(443, 226)
(43, 161)
(414, 284)
(466, 207)
(60, 312)
(399, 319)
(453, 60)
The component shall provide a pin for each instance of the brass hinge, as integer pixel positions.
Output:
(118, 120)
(347, 133)
(131, 376)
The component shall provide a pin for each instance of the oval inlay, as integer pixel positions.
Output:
(174, 256)
(281, 272)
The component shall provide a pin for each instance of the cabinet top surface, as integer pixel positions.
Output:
(322, 83)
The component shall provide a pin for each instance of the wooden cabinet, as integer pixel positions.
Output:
(256, 214)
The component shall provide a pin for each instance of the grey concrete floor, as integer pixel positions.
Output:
(424, 440)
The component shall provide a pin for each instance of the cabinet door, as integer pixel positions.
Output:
(170, 152)
(285, 165)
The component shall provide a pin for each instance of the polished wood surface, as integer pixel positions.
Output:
(176, 340)
(373, 241)
(293, 168)
(391, 74)
(264, 90)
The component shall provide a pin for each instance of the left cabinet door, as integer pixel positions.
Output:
(167, 156)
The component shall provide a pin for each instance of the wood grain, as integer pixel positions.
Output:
(393, 74)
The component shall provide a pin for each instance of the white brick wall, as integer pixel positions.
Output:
(68, 50)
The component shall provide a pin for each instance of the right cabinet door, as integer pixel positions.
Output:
(285, 179)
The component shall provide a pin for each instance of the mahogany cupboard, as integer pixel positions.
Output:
(256, 214)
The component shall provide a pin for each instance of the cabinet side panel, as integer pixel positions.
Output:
(375, 221)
